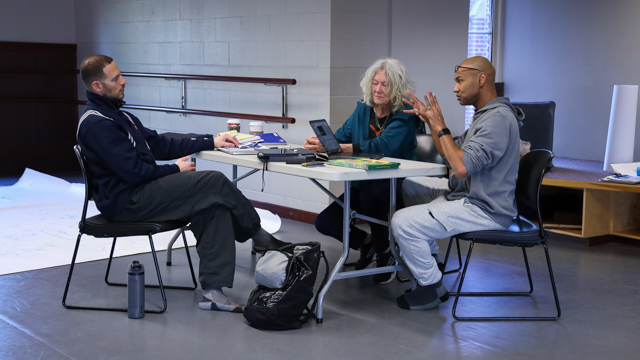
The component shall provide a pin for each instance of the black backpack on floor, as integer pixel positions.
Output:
(286, 279)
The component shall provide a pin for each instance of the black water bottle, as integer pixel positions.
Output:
(135, 290)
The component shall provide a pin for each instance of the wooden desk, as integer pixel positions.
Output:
(574, 202)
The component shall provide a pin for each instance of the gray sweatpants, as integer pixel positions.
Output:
(219, 215)
(427, 216)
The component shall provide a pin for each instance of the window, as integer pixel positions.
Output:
(480, 37)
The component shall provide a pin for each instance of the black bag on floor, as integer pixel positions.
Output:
(286, 279)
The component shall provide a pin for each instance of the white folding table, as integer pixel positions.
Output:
(407, 168)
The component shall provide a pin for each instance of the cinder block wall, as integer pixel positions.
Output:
(261, 38)
(360, 32)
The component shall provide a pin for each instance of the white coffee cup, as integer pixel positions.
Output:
(233, 124)
(256, 127)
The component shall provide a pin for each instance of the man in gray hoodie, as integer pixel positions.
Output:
(480, 193)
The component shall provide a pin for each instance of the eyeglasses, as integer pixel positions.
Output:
(466, 67)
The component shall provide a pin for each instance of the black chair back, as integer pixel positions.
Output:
(538, 122)
(426, 150)
(530, 174)
(88, 186)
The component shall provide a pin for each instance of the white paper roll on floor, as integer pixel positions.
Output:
(622, 126)
(270, 222)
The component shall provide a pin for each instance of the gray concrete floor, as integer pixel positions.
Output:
(598, 288)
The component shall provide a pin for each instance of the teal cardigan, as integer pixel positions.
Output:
(398, 139)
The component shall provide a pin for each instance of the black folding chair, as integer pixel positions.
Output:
(97, 226)
(522, 233)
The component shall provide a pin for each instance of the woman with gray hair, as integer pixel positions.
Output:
(377, 126)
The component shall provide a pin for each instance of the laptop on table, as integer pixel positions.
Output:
(331, 145)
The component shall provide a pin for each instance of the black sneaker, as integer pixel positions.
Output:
(386, 259)
(424, 297)
(366, 256)
(264, 246)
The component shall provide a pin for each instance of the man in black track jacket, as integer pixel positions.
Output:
(129, 186)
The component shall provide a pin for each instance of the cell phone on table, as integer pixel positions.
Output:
(313, 163)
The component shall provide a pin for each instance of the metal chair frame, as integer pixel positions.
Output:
(512, 238)
(147, 228)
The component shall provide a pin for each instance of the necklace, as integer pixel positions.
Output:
(375, 116)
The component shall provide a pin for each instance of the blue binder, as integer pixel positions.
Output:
(271, 139)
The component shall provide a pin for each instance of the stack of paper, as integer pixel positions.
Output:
(626, 168)
(243, 138)
(624, 179)
(234, 150)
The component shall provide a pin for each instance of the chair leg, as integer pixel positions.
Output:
(172, 241)
(526, 262)
(406, 271)
(459, 293)
(153, 286)
(155, 262)
(462, 276)
(164, 296)
(170, 246)
(553, 282)
(73, 263)
(446, 258)
(106, 275)
(66, 289)
(193, 275)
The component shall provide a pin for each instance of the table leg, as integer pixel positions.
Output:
(346, 221)
(234, 175)
(235, 180)
(392, 240)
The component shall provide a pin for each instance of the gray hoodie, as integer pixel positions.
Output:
(491, 148)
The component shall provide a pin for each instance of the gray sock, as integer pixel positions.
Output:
(215, 299)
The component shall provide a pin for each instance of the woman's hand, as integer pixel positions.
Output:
(312, 143)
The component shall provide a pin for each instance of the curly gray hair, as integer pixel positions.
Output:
(397, 79)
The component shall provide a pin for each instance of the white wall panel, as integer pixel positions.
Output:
(38, 21)
(573, 54)
(430, 37)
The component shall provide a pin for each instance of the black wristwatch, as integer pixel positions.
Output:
(444, 131)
